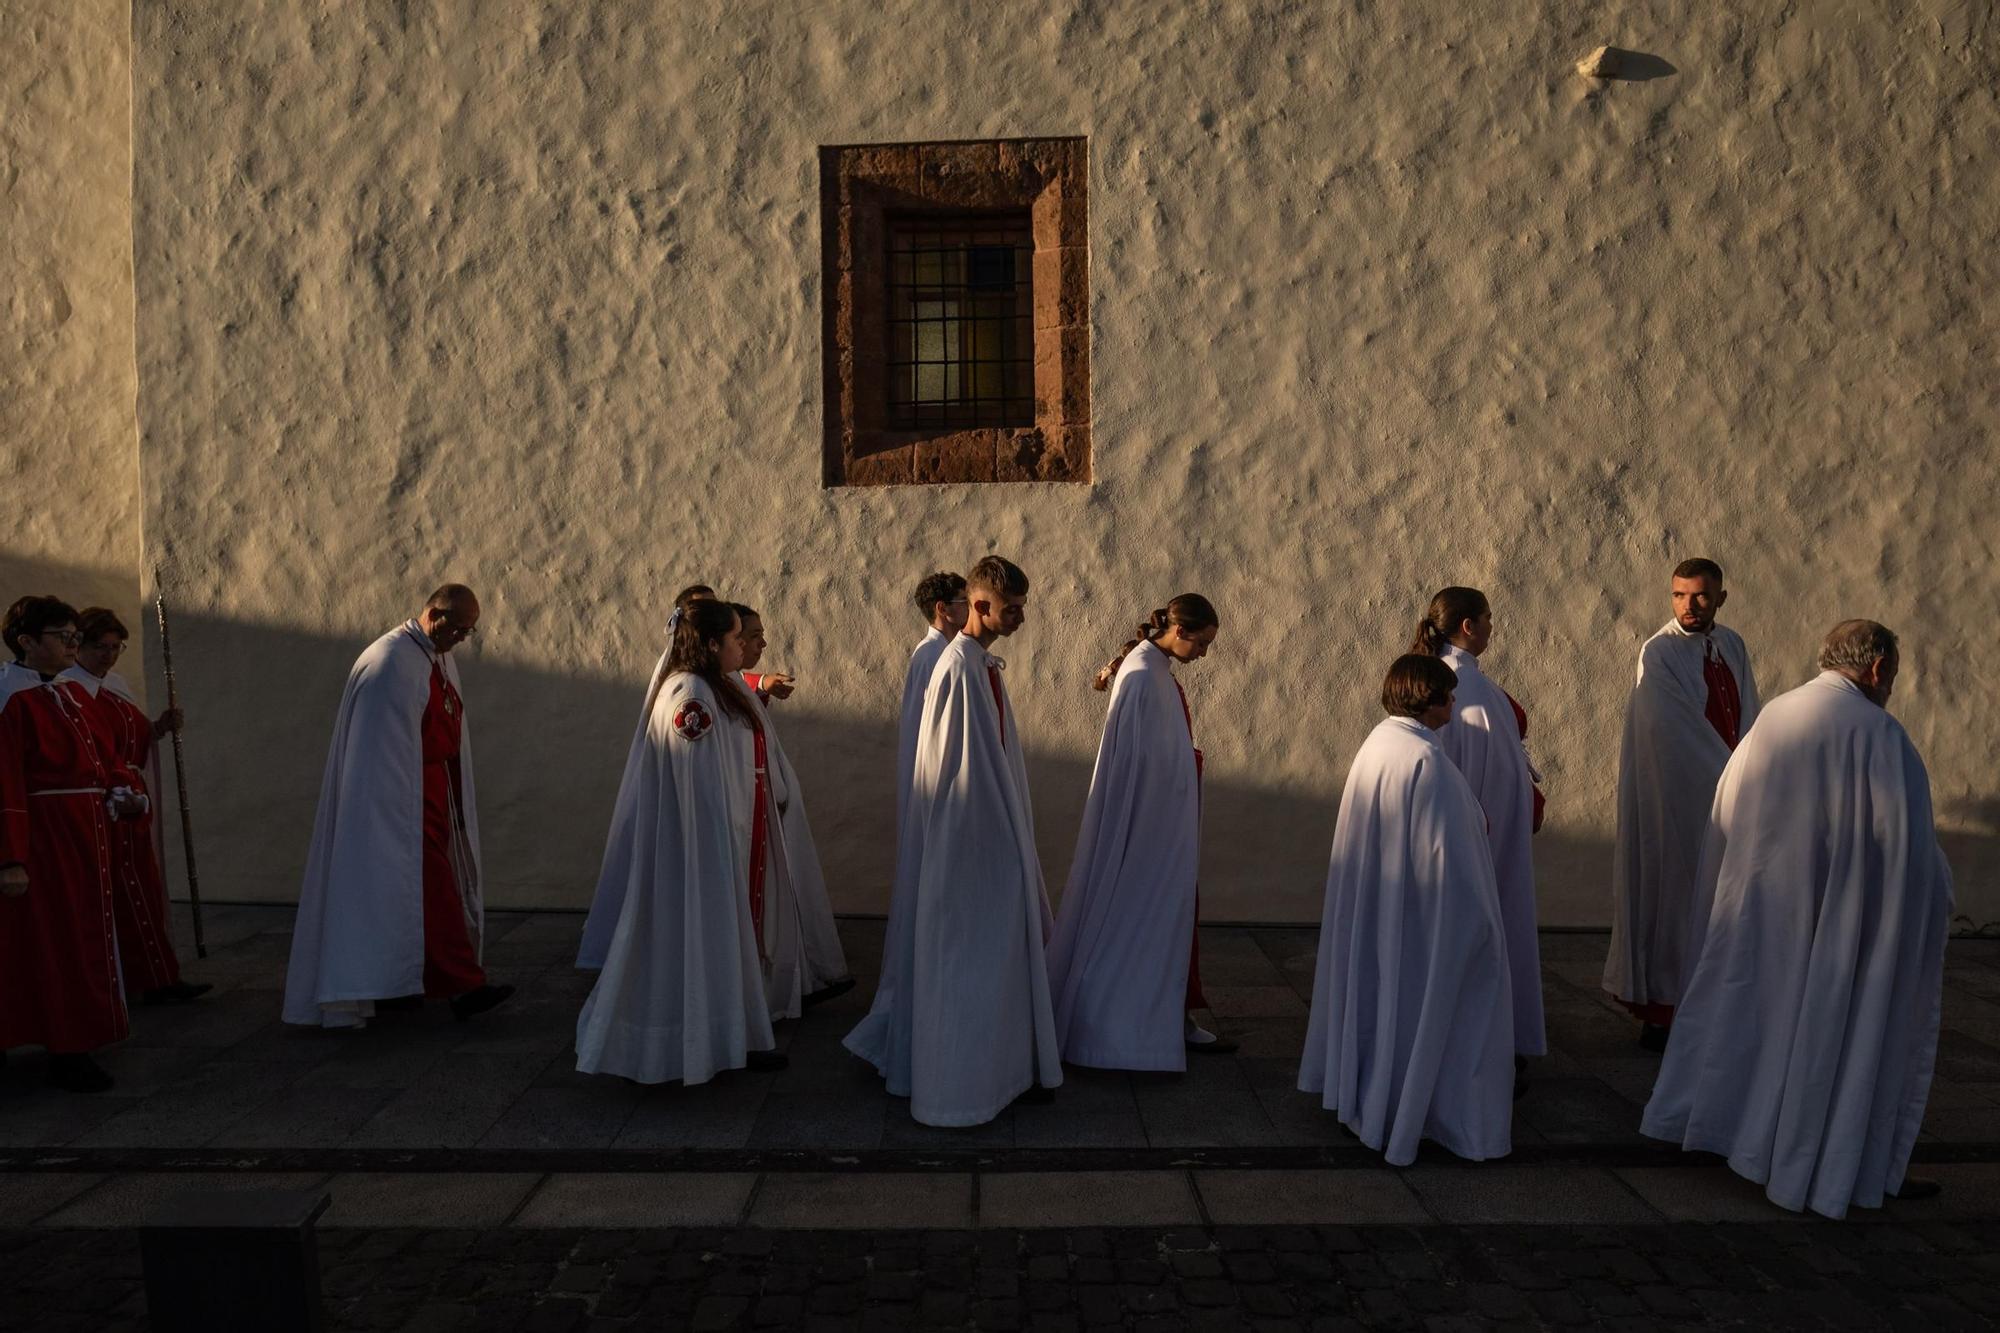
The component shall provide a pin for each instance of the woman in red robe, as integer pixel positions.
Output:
(60, 793)
(139, 888)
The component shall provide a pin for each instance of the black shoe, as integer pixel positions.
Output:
(1918, 1187)
(478, 1000)
(765, 1062)
(833, 990)
(401, 1004)
(77, 1073)
(1036, 1095)
(178, 993)
(1653, 1037)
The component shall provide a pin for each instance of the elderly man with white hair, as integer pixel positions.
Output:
(1806, 1036)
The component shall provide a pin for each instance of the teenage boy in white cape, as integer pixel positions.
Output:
(391, 908)
(1693, 700)
(982, 1032)
(1416, 1041)
(883, 1037)
(1805, 1039)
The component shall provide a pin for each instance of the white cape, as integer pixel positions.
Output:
(800, 936)
(1411, 1035)
(883, 1037)
(1484, 740)
(1805, 1041)
(681, 994)
(1667, 769)
(607, 901)
(1118, 962)
(359, 935)
(976, 1002)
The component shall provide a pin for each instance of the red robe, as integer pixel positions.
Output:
(59, 984)
(139, 889)
(451, 966)
(1195, 998)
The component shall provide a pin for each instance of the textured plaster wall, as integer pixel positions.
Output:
(69, 460)
(1383, 296)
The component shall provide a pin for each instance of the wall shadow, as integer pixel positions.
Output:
(549, 748)
(1640, 66)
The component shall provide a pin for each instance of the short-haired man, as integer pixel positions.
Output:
(1807, 1033)
(974, 989)
(62, 791)
(1693, 700)
(883, 1038)
(392, 907)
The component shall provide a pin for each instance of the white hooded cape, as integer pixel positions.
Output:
(800, 935)
(1667, 769)
(1411, 1035)
(1484, 740)
(1805, 1040)
(1118, 962)
(883, 1037)
(976, 1002)
(359, 935)
(681, 994)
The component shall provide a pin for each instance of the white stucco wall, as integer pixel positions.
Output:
(1383, 297)
(69, 464)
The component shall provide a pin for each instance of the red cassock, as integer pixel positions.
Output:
(138, 889)
(59, 985)
(451, 965)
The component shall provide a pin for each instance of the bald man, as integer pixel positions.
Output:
(391, 908)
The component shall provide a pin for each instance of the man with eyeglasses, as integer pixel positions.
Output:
(62, 789)
(391, 910)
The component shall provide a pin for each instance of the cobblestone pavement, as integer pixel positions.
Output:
(1926, 1276)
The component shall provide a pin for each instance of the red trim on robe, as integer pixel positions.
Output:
(999, 700)
(1724, 708)
(1521, 721)
(451, 964)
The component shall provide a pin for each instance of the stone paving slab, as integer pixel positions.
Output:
(1265, 1198)
(427, 1198)
(622, 1199)
(127, 1201)
(1087, 1198)
(26, 1197)
(1493, 1193)
(815, 1200)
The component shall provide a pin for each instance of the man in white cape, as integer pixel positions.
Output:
(1691, 704)
(1806, 1037)
(883, 1037)
(391, 906)
(1411, 1035)
(1484, 740)
(681, 994)
(1120, 959)
(982, 1031)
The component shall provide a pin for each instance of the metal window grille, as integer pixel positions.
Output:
(961, 341)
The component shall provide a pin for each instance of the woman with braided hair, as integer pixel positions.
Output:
(1122, 965)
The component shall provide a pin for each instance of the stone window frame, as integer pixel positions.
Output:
(861, 186)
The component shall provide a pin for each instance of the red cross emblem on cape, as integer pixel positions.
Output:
(692, 721)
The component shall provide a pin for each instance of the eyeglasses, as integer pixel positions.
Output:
(69, 638)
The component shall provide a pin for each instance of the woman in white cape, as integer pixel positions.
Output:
(1411, 1035)
(1484, 740)
(1121, 961)
(681, 994)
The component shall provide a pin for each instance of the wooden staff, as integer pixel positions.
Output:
(180, 767)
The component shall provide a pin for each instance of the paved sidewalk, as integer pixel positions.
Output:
(224, 1075)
